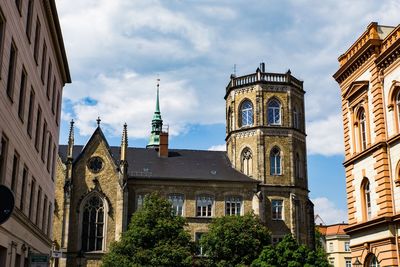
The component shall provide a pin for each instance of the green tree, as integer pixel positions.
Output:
(155, 237)
(234, 240)
(289, 253)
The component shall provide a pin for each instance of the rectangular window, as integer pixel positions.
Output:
(53, 163)
(15, 173)
(11, 71)
(38, 205)
(140, 201)
(44, 135)
(38, 124)
(37, 39)
(30, 112)
(348, 262)
(29, 20)
(204, 206)
(48, 80)
(330, 246)
(49, 152)
(58, 107)
(233, 205)
(277, 209)
(44, 57)
(44, 216)
(32, 198)
(53, 96)
(3, 157)
(199, 248)
(177, 201)
(347, 246)
(22, 92)
(2, 34)
(23, 188)
(49, 216)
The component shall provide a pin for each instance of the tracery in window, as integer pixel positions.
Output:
(93, 224)
(246, 110)
(247, 162)
(177, 201)
(275, 161)
(274, 112)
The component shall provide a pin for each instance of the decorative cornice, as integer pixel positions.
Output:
(364, 153)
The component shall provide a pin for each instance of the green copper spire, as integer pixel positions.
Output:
(156, 123)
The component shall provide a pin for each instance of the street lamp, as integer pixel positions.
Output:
(357, 263)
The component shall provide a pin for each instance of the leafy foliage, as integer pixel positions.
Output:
(234, 240)
(155, 237)
(289, 253)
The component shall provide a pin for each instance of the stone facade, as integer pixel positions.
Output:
(262, 136)
(369, 76)
(126, 175)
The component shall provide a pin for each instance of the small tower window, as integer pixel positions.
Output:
(247, 162)
(93, 224)
(297, 166)
(246, 111)
(274, 112)
(275, 161)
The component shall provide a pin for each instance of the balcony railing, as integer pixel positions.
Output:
(264, 77)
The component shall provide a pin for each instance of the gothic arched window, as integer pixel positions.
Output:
(93, 224)
(246, 110)
(275, 162)
(247, 162)
(274, 112)
(362, 129)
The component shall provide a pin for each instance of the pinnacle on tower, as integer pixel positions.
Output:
(71, 139)
(124, 143)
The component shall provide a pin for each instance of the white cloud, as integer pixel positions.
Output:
(117, 48)
(325, 136)
(218, 147)
(328, 211)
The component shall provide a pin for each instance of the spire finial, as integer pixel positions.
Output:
(98, 121)
(158, 96)
(71, 139)
(124, 142)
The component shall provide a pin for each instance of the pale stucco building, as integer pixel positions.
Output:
(369, 78)
(33, 71)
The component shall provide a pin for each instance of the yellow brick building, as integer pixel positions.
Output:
(99, 186)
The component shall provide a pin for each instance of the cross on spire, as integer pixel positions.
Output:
(98, 121)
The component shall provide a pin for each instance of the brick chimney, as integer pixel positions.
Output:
(163, 148)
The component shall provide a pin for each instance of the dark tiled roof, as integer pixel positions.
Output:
(181, 164)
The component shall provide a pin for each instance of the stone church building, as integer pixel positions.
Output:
(99, 187)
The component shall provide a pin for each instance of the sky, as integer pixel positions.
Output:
(118, 49)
